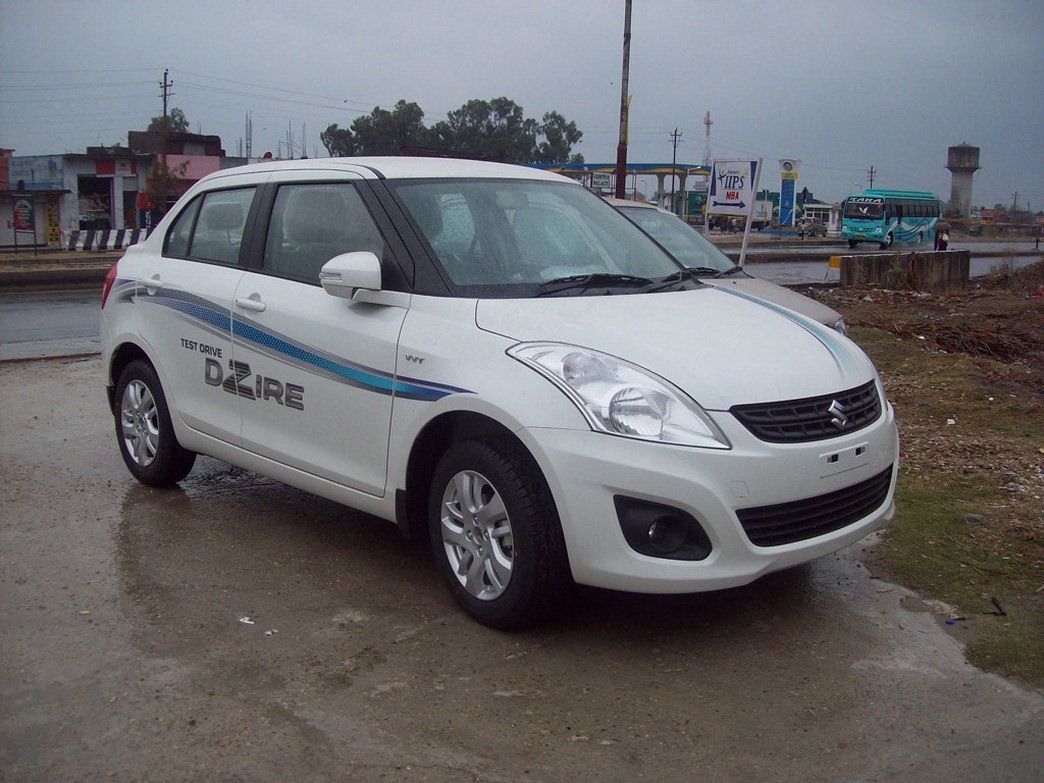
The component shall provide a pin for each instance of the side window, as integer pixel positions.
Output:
(181, 232)
(313, 223)
(219, 229)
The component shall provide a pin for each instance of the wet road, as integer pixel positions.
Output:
(236, 629)
(49, 323)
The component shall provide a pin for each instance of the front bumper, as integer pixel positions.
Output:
(587, 471)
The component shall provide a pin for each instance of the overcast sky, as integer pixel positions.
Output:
(840, 85)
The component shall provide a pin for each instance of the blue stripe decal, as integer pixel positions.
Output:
(825, 335)
(281, 347)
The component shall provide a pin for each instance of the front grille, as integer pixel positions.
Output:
(813, 418)
(786, 523)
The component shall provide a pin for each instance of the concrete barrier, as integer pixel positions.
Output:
(934, 272)
(106, 239)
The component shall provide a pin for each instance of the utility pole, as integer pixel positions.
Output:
(675, 140)
(165, 86)
(621, 148)
(1014, 204)
(870, 172)
(164, 174)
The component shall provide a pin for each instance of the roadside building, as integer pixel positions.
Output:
(55, 200)
(177, 161)
(96, 190)
(29, 208)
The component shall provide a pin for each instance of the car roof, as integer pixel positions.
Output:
(397, 168)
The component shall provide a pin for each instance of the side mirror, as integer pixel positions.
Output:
(347, 273)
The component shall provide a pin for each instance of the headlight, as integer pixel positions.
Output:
(620, 398)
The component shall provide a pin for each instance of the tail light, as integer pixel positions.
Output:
(110, 278)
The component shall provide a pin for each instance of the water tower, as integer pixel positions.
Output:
(962, 160)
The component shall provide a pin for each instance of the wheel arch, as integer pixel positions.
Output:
(123, 355)
(428, 447)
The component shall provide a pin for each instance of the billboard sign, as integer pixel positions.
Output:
(23, 215)
(732, 187)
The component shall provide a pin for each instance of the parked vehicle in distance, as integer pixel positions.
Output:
(889, 216)
(494, 358)
(712, 266)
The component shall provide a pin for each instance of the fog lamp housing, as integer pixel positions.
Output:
(656, 530)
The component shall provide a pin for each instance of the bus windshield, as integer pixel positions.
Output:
(858, 209)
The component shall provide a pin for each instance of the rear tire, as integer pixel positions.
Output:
(495, 533)
(144, 431)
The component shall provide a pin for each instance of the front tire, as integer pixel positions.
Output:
(888, 242)
(144, 431)
(495, 533)
(852, 243)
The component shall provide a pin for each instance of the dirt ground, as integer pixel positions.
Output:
(1001, 316)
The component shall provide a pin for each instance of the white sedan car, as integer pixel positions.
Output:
(494, 358)
(712, 266)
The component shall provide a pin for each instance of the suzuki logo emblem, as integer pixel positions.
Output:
(837, 415)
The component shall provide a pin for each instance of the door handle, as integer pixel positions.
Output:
(252, 302)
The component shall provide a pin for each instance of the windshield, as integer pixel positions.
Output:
(511, 238)
(682, 241)
(864, 209)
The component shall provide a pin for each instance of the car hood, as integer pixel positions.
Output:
(720, 348)
(777, 294)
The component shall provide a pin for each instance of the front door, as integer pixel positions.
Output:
(314, 372)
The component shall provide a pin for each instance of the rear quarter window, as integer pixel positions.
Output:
(211, 228)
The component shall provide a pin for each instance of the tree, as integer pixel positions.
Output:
(161, 190)
(384, 132)
(381, 132)
(492, 130)
(174, 122)
(339, 142)
(559, 138)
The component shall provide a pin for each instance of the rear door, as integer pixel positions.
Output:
(185, 299)
(315, 373)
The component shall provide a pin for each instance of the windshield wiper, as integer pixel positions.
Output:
(733, 271)
(588, 281)
(673, 279)
(703, 271)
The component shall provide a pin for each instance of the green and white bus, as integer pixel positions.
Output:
(889, 216)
